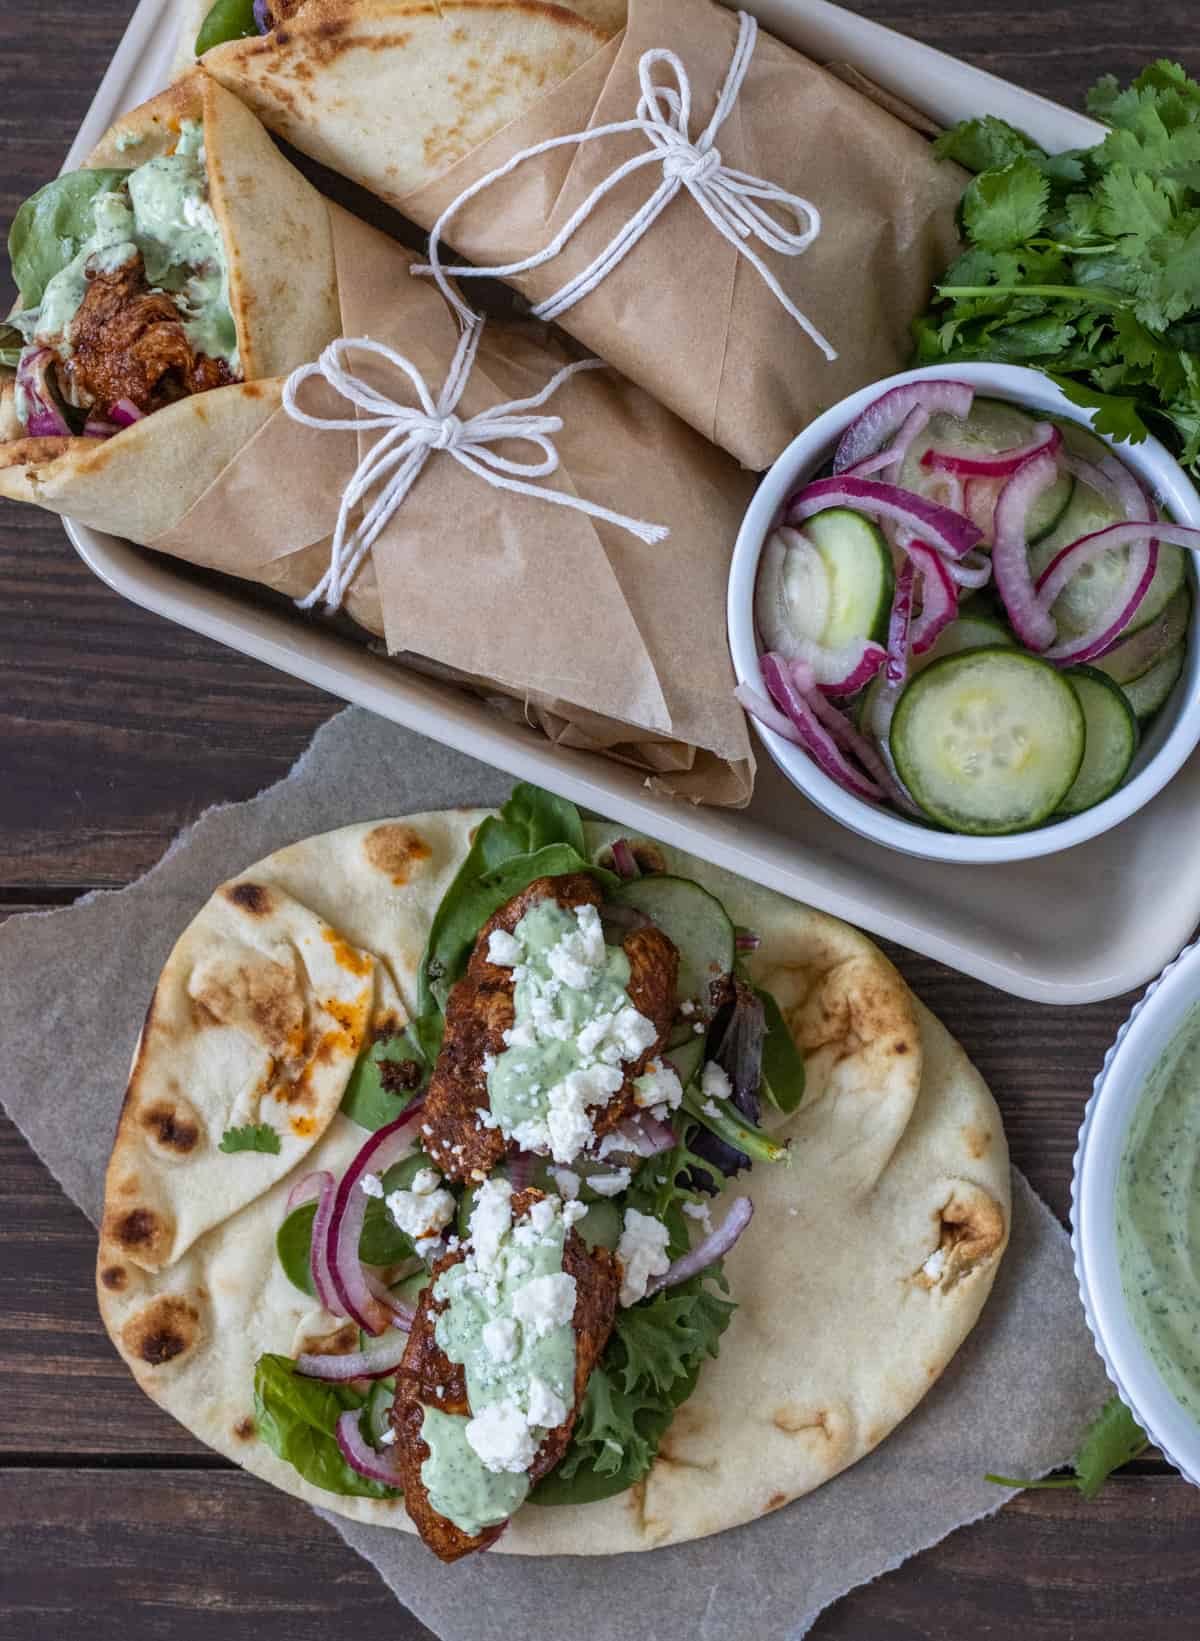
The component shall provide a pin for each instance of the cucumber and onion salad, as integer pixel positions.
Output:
(972, 618)
(340, 1243)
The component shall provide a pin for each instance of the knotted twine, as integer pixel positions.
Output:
(409, 434)
(733, 201)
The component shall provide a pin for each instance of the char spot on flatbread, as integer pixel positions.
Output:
(250, 897)
(114, 1277)
(244, 1429)
(172, 1126)
(164, 1331)
(971, 1234)
(776, 1500)
(343, 1341)
(262, 995)
(976, 1140)
(396, 849)
(794, 1421)
(141, 1231)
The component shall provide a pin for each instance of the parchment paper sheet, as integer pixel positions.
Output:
(73, 989)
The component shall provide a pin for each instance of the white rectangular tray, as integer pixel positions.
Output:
(1088, 924)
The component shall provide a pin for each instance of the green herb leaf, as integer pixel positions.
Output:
(1114, 414)
(985, 145)
(1006, 207)
(11, 344)
(253, 1137)
(782, 1061)
(367, 1101)
(297, 1418)
(49, 229)
(228, 20)
(1113, 1438)
(293, 1244)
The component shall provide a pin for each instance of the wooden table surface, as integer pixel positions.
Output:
(118, 729)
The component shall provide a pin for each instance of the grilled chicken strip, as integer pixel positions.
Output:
(426, 1367)
(480, 1009)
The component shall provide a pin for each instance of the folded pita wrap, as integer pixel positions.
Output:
(865, 1266)
(406, 98)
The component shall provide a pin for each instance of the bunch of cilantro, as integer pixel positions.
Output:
(1087, 264)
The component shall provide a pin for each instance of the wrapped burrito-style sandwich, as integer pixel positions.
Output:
(837, 215)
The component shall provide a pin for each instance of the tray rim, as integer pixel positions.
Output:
(330, 664)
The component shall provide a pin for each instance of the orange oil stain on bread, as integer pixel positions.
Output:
(397, 850)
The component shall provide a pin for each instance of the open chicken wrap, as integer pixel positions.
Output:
(606, 641)
(414, 101)
(519, 1180)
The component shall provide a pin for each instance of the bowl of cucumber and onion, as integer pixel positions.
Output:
(963, 623)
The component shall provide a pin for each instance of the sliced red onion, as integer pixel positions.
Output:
(979, 503)
(125, 413)
(939, 597)
(645, 1135)
(361, 1456)
(899, 623)
(1131, 495)
(378, 1360)
(972, 572)
(946, 531)
(846, 670)
(308, 1189)
(1028, 613)
(360, 1297)
(746, 940)
(94, 428)
(885, 415)
(624, 864)
(520, 1169)
(262, 16)
(767, 713)
(876, 760)
(45, 419)
(892, 455)
(1002, 464)
(714, 1246)
(813, 735)
(1107, 629)
(318, 1258)
(1136, 654)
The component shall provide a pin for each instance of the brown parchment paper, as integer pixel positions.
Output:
(73, 990)
(684, 314)
(604, 641)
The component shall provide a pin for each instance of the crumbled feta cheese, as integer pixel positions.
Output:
(430, 1248)
(610, 1185)
(659, 1085)
(425, 1182)
(491, 1219)
(700, 1211)
(642, 1251)
(698, 1029)
(543, 1408)
(371, 1185)
(521, 1035)
(568, 1125)
(486, 1120)
(615, 1141)
(634, 1033)
(687, 1007)
(545, 1303)
(935, 1265)
(710, 1108)
(572, 1213)
(568, 1183)
(488, 1062)
(441, 1390)
(388, 1437)
(500, 1437)
(420, 1213)
(714, 1083)
(504, 949)
(541, 1215)
(501, 1338)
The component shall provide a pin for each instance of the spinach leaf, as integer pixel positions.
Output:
(50, 227)
(293, 1244)
(367, 1101)
(228, 20)
(380, 1243)
(297, 1417)
(782, 1061)
(545, 819)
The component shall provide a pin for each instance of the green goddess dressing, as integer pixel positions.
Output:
(1158, 1215)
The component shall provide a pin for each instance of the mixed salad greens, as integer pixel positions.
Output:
(329, 1416)
(1087, 264)
(974, 616)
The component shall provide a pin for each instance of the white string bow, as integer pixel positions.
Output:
(733, 201)
(409, 434)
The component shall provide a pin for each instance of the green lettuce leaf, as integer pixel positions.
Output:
(297, 1417)
(49, 229)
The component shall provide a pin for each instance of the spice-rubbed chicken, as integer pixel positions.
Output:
(427, 1378)
(480, 1010)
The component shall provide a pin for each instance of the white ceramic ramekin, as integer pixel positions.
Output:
(1176, 730)
(1140, 1044)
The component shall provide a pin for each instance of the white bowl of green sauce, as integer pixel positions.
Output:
(1135, 1211)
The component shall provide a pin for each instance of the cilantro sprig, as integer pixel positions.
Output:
(1087, 264)
(252, 1137)
(1113, 1438)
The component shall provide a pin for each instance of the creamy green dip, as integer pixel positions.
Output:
(508, 1322)
(161, 209)
(574, 1024)
(1158, 1215)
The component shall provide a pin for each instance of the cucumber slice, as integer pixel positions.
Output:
(1135, 656)
(687, 1057)
(830, 583)
(993, 425)
(1148, 694)
(965, 632)
(1112, 738)
(989, 741)
(600, 1227)
(698, 925)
